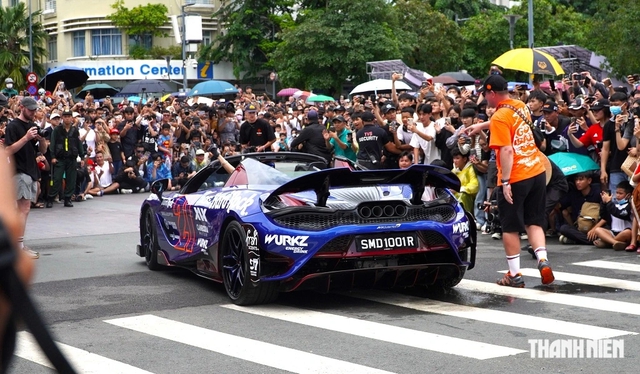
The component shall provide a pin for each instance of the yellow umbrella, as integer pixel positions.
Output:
(165, 97)
(529, 60)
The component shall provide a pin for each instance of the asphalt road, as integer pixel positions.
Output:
(112, 315)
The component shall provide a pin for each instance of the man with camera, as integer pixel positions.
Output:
(65, 147)
(130, 132)
(23, 141)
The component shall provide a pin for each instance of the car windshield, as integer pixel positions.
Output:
(274, 173)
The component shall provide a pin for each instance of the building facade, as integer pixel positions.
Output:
(81, 35)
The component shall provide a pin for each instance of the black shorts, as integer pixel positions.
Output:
(529, 197)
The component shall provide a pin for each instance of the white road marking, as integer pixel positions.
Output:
(382, 332)
(586, 279)
(552, 297)
(494, 316)
(243, 348)
(83, 361)
(609, 265)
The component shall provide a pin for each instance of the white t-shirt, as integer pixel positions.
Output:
(90, 140)
(105, 179)
(431, 152)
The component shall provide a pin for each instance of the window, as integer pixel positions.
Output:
(50, 6)
(206, 37)
(204, 2)
(145, 41)
(13, 2)
(106, 42)
(52, 47)
(79, 44)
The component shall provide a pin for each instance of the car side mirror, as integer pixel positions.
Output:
(159, 186)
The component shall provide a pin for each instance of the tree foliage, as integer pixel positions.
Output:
(334, 44)
(140, 20)
(462, 8)
(432, 46)
(14, 43)
(615, 35)
(251, 33)
(486, 35)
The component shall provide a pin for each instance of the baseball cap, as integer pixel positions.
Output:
(339, 119)
(387, 108)
(312, 115)
(75, 114)
(200, 152)
(576, 104)
(339, 108)
(367, 116)
(114, 131)
(550, 106)
(495, 83)
(250, 108)
(67, 113)
(600, 104)
(54, 115)
(29, 103)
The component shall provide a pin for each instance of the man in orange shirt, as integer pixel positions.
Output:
(521, 171)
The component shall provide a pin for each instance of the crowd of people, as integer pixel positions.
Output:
(81, 149)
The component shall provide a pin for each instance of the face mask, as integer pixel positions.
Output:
(615, 110)
(9, 85)
(623, 201)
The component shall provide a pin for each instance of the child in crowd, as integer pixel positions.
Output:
(468, 181)
(619, 208)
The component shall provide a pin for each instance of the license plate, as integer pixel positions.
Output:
(386, 242)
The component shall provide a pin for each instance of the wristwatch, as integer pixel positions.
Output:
(505, 182)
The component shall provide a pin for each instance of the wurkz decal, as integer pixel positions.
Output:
(296, 244)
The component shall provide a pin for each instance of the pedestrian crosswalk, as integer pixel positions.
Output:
(459, 330)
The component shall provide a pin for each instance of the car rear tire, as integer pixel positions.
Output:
(235, 270)
(150, 241)
(449, 283)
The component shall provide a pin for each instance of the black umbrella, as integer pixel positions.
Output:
(144, 86)
(463, 79)
(98, 91)
(71, 76)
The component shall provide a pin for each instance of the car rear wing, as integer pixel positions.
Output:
(416, 176)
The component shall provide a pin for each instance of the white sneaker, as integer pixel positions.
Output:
(524, 236)
(88, 196)
(126, 191)
(478, 226)
(497, 235)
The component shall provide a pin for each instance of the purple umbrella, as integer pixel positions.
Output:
(287, 91)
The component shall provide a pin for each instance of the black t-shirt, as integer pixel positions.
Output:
(115, 148)
(129, 139)
(313, 141)
(256, 134)
(371, 140)
(25, 157)
(616, 156)
(556, 142)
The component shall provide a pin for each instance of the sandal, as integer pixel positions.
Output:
(37, 206)
(631, 248)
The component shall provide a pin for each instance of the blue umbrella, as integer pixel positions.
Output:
(573, 163)
(213, 87)
(98, 91)
(136, 99)
(71, 76)
(144, 86)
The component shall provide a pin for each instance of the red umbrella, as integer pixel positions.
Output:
(287, 91)
(299, 94)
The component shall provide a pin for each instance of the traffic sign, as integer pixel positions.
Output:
(32, 89)
(32, 78)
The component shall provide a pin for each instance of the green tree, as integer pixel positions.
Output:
(486, 36)
(251, 33)
(333, 44)
(429, 41)
(462, 8)
(615, 35)
(138, 22)
(14, 43)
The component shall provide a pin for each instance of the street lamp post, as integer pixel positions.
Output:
(512, 18)
(30, 39)
(530, 11)
(184, 46)
(273, 76)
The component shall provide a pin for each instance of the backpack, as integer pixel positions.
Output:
(589, 216)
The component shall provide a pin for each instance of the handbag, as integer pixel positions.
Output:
(538, 135)
(629, 165)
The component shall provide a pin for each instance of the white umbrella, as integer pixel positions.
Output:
(378, 85)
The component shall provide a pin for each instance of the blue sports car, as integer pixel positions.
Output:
(287, 221)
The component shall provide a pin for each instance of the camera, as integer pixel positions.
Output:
(492, 214)
(149, 118)
(373, 159)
